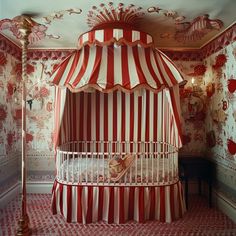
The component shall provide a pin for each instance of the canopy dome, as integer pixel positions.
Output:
(116, 58)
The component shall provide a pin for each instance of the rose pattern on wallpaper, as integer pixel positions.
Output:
(9, 132)
(222, 105)
(40, 98)
(40, 104)
(193, 107)
(208, 103)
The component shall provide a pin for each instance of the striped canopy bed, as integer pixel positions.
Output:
(117, 130)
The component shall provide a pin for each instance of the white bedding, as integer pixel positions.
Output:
(96, 170)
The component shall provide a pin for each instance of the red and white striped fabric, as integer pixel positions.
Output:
(87, 204)
(120, 36)
(117, 116)
(114, 67)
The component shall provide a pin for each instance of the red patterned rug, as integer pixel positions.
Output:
(199, 220)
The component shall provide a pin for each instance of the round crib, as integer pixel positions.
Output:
(149, 189)
(87, 163)
(125, 92)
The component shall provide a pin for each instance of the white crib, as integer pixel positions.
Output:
(86, 163)
(130, 92)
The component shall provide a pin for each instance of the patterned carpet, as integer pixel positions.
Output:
(199, 220)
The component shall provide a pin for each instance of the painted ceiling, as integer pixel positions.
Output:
(174, 24)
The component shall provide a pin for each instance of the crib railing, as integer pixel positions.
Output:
(87, 163)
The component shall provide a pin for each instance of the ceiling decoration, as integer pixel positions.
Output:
(113, 13)
(169, 13)
(186, 31)
(14, 25)
(60, 14)
(38, 30)
(197, 29)
(179, 24)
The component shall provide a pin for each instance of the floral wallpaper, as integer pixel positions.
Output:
(39, 123)
(221, 112)
(40, 97)
(208, 102)
(9, 129)
(221, 118)
(193, 107)
(40, 120)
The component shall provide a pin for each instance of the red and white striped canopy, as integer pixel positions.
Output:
(109, 36)
(111, 59)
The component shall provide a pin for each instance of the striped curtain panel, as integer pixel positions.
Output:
(117, 116)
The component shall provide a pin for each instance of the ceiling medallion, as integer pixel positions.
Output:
(109, 13)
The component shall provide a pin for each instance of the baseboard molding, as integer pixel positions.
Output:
(7, 196)
(39, 187)
(225, 205)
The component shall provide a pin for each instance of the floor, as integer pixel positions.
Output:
(199, 220)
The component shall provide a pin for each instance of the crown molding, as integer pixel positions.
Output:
(220, 42)
(49, 54)
(184, 54)
(10, 47)
(198, 54)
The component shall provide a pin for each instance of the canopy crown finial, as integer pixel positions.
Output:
(104, 14)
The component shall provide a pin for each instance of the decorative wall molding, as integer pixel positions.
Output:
(41, 154)
(224, 204)
(8, 195)
(6, 159)
(9, 47)
(32, 187)
(220, 42)
(225, 38)
(39, 187)
(54, 54)
(8, 171)
(191, 55)
(218, 159)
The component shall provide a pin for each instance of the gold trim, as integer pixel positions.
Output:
(23, 226)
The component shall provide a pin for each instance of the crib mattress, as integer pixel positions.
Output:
(97, 170)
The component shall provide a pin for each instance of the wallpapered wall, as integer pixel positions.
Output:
(208, 102)
(9, 129)
(221, 117)
(40, 105)
(208, 105)
(193, 124)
